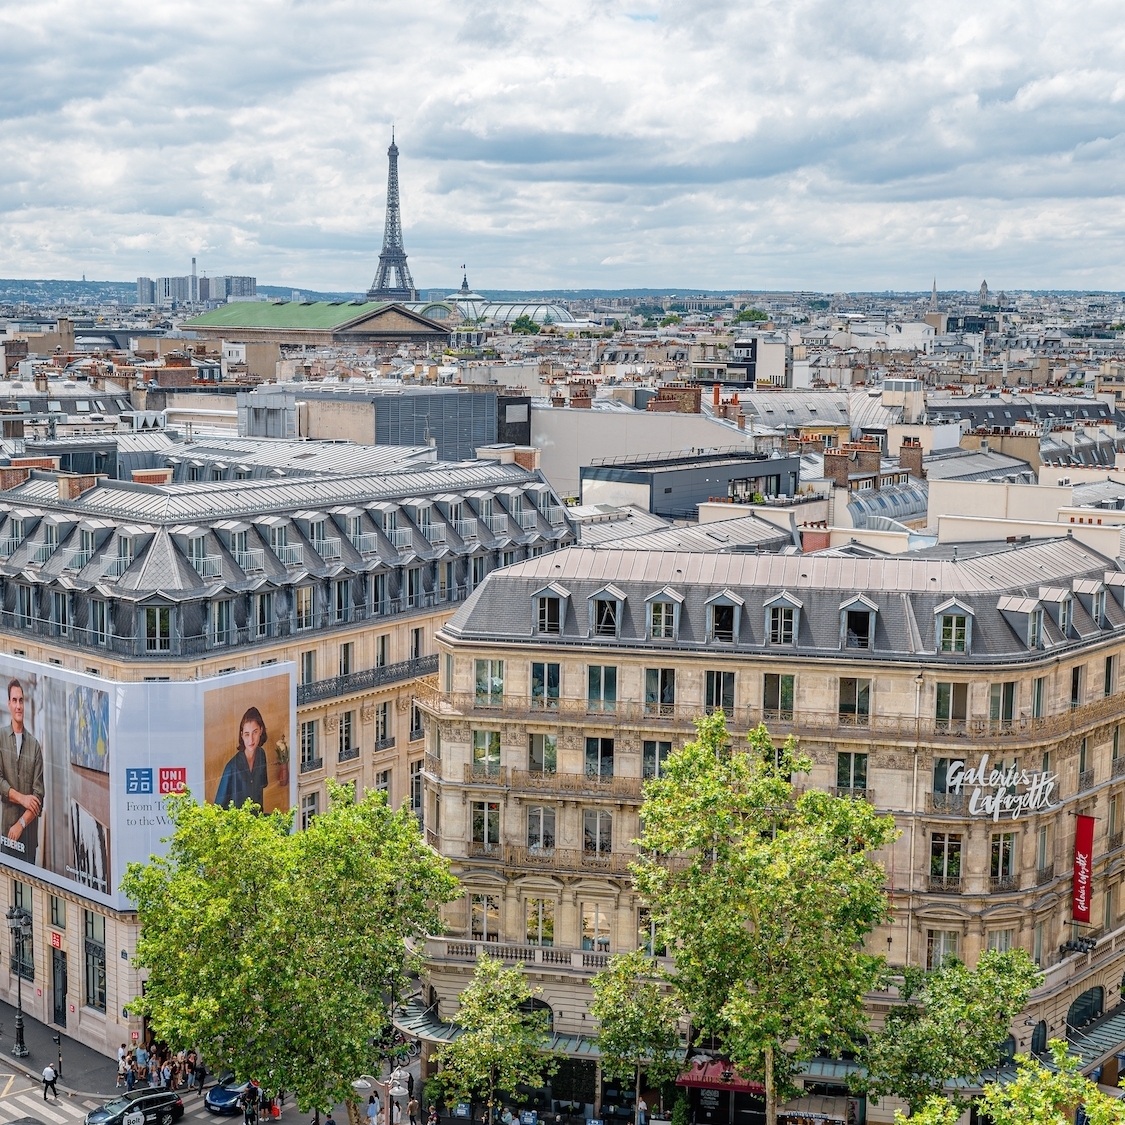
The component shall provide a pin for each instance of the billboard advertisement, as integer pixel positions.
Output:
(86, 764)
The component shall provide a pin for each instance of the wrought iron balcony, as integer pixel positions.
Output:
(945, 884)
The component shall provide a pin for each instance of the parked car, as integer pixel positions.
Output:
(139, 1107)
(225, 1096)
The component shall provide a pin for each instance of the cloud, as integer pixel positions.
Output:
(701, 143)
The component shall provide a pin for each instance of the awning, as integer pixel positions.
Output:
(816, 1107)
(714, 1074)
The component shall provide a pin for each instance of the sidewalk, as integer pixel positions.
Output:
(85, 1071)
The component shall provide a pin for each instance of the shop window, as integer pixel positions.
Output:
(95, 960)
(484, 917)
(777, 696)
(539, 914)
(542, 753)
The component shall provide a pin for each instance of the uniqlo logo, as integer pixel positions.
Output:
(138, 781)
(173, 779)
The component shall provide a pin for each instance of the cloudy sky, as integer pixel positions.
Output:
(821, 144)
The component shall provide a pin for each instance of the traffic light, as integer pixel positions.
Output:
(58, 1039)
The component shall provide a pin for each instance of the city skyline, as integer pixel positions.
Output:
(582, 146)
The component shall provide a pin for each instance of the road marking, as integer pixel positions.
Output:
(67, 1106)
(92, 1105)
(35, 1104)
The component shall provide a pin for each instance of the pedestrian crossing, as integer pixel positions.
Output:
(65, 1111)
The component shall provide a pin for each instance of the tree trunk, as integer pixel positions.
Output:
(637, 1103)
(771, 1094)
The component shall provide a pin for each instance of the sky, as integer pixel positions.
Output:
(750, 144)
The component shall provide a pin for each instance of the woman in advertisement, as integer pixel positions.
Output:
(246, 775)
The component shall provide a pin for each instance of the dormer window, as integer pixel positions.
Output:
(954, 632)
(16, 530)
(724, 616)
(605, 617)
(355, 525)
(1099, 608)
(857, 623)
(1035, 629)
(316, 531)
(781, 625)
(663, 620)
(549, 616)
(1066, 615)
(196, 549)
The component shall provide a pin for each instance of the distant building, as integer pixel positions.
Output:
(146, 291)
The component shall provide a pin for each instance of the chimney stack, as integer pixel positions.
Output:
(910, 457)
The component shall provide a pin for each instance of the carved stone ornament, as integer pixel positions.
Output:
(331, 722)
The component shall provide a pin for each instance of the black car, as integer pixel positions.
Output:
(139, 1107)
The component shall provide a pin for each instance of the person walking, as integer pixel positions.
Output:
(642, 1112)
(412, 1111)
(200, 1076)
(49, 1080)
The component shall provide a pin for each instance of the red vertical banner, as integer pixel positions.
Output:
(1083, 868)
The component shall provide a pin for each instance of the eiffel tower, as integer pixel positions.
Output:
(393, 257)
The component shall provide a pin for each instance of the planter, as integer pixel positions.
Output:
(283, 773)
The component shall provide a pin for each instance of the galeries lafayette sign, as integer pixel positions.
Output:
(1003, 790)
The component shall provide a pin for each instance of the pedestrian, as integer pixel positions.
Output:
(433, 1119)
(412, 1111)
(200, 1076)
(396, 1113)
(642, 1112)
(330, 1119)
(410, 1084)
(49, 1080)
(372, 1109)
(130, 1077)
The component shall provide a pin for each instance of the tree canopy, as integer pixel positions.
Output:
(503, 1041)
(524, 326)
(952, 1024)
(745, 316)
(1039, 1095)
(275, 951)
(638, 1021)
(671, 319)
(764, 899)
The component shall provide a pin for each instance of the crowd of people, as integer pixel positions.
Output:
(160, 1068)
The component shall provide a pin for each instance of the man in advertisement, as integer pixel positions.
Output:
(21, 782)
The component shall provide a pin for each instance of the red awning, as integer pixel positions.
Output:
(708, 1075)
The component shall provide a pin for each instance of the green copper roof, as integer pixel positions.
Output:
(316, 315)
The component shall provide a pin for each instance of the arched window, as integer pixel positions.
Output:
(1085, 1009)
(536, 1005)
(1039, 1038)
(1008, 1051)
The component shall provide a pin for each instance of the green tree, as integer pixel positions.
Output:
(745, 316)
(524, 326)
(503, 1042)
(765, 900)
(274, 951)
(638, 1022)
(671, 319)
(1039, 1095)
(951, 1024)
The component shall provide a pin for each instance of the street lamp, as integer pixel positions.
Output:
(19, 922)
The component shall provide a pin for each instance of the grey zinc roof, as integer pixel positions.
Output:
(908, 591)
(725, 535)
(182, 503)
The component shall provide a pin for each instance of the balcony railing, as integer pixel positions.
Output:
(366, 543)
(486, 849)
(467, 529)
(290, 554)
(79, 559)
(431, 764)
(468, 950)
(1113, 840)
(310, 764)
(327, 548)
(522, 706)
(945, 884)
(9, 546)
(856, 794)
(1001, 884)
(251, 560)
(554, 516)
(400, 537)
(366, 680)
(498, 525)
(348, 753)
(529, 520)
(1085, 780)
(385, 743)
(575, 784)
(434, 532)
(1119, 767)
(117, 565)
(208, 566)
(42, 553)
(567, 859)
(1044, 875)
